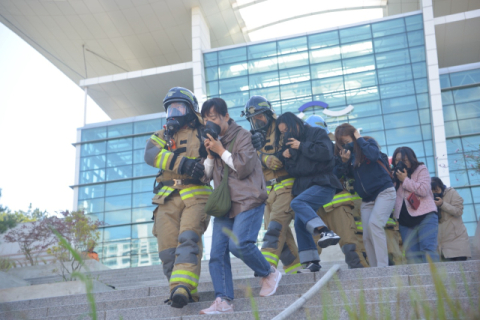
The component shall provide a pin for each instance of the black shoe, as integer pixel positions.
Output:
(327, 238)
(180, 297)
(312, 267)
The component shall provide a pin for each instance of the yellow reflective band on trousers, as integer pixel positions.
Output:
(293, 268)
(161, 142)
(185, 277)
(283, 184)
(165, 191)
(342, 197)
(195, 191)
(390, 223)
(162, 159)
(359, 225)
(270, 257)
(269, 189)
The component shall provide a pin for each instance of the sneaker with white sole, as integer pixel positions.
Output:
(218, 306)
(270, 283)
(327, 238)
(311, 267)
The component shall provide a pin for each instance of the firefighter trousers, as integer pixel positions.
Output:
(179, 226)
(394, 242)
(278, 242)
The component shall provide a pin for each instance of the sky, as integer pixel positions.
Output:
(40, 111)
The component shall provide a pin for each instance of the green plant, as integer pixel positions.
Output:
(6, 264)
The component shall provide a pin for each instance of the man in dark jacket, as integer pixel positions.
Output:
(309, 158)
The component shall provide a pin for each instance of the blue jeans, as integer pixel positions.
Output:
(420, 241)
(242, 244)
(305, 206)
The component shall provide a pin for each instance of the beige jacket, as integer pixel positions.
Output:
(452, 234)
(247, 185)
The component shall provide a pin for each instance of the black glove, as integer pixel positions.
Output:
(258, 140)
(193, 168)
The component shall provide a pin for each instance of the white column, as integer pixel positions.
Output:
(436, 108)
(200, 42)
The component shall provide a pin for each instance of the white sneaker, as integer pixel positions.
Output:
(270, 283)
(218, 306)
(328, 238)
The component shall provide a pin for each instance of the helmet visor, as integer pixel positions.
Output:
(177, 109)
(259, 121)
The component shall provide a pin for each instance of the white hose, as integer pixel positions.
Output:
(308, 295)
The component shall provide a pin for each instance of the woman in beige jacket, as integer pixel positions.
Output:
(453, 243)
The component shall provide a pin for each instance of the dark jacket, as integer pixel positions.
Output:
(313, 162)
(370, 177)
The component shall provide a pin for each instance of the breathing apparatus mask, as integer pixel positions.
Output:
(178, 115)
(212, 129)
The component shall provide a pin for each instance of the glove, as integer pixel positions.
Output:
(258, 140)
(192, 168)
(272, 162)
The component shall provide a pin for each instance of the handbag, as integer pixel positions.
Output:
(219, 202)
(413, 200)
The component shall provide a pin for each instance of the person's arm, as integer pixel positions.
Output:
(244, 156)
(318, 148)
(209, 163)
(455, 206)
(341, 168)
(158, 156)
(227, 158)
(271, 161)
(369, 149)
(422, 186)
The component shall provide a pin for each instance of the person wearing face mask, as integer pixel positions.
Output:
(236, 232)
(453, 243)
(415, 208)
(179, 219)
(278, 242)
(362, 159)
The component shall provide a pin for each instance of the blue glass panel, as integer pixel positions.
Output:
(232, 55)
(428, 145)
(325, 54)
(355, 34)
(399, 104)
(414, 22)
(395, 74)
(262, 50)
(263, 65)
(456, 161)
(427, 132)
(118, 217)
(447, 98)
(389, 43)
(236, 99)
(366, 109)
(296, 90)
(378, 136)
(469, 213)
(92, 176)
(116, 173)
(91, 163)
(397, 89)
(469, 126)
(471, 143)
(321, 40)
(143, 169)
(212, 88)
(324, 70)
(333, 99)
(91, 205)
(466, 95)
(116, 233)
(232, 70)
(373, 124)
(423, 101)
(416, 38)
(263, 80)
(417, 147)
(476, 195)
(141, 141)
(430, 164)
(421, 85)
(138, 156)
(293, 60)
(294, 104)
(211, 73)
(94, 134)
(147, 126)
(466, 195)
(233, 85)
(445, 81)
(143, 185)
(468, 110)
(362, 95)
(142, 230)
(405, 136)
(144, 245)
(90, 149)
(424, 115)
(145, 260)
(96, 217)
(295, 75)
(118, 145)
(451, 128)
(454, 145)
(381, 29)
(360, 64)
(417, 54)
(117, 188)
(142, 199)
(211, 59)
(465, 77)
(117, 249)
(419, 70)
(89, 192)
(119, 158)
(117, 262)
(471, 227)
(118, 202)
(360, 80)
(392, 58)
(271, 94)
(403, 119)
(327, 85)
(120, 130)
(142, 214)
(292, 45)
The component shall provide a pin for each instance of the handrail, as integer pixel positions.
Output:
(285, 314)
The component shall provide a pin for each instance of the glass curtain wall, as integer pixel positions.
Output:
(461, 112)
(378, 68)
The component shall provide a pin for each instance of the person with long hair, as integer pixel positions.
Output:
(415, 208)
(362, 159)
(308, 157)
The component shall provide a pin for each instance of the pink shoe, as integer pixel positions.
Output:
(218, 306)
(270, 283)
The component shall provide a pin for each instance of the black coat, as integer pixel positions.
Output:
(313, 162)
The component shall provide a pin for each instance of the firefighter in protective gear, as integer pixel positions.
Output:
(180, 219)
(278, 242)
(394, 243)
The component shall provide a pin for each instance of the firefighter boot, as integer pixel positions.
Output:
(180, 297)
